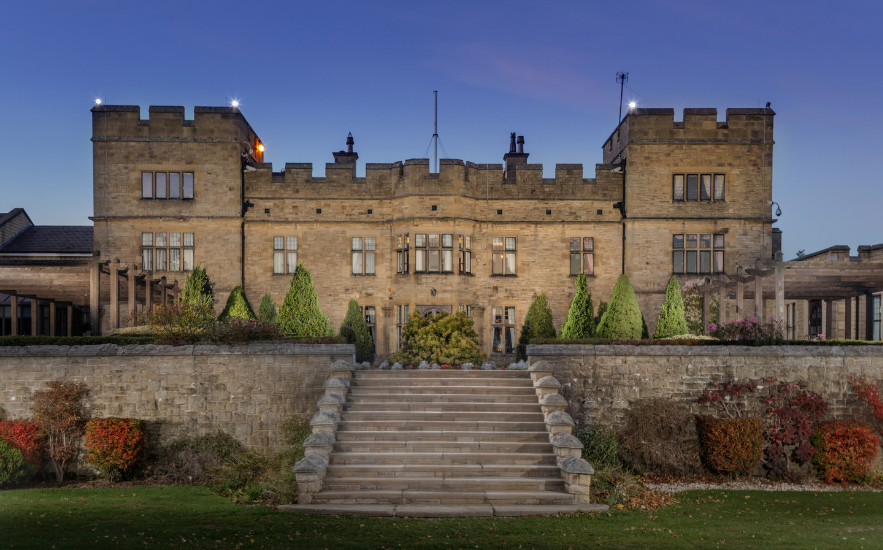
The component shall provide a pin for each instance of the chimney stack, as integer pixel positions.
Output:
(512, 159)
(348, 156)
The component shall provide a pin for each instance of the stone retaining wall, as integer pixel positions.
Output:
(600, 381)
(244, 390)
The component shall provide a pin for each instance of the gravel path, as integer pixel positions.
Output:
(755, 484)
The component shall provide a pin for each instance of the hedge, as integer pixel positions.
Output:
(845, 449)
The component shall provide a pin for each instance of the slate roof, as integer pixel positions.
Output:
(48, 239)
(11, 214)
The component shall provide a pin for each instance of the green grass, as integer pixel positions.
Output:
(193, 517)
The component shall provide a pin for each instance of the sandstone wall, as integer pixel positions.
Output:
(599, 382)
(244, 390)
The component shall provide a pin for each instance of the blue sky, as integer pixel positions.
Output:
(306, 73)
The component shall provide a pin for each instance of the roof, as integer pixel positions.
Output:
(11, 214)
(835, 248)
(49, 239)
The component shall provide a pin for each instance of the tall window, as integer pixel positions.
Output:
(364, 255)
(434, 254)
(466, 254)
(504, 329)
(284, 255)
(503, 255)
(167, 185)
(403, 245)
(582, 257)
(167, 251)
(698, 187)
(875, 318)
(697, 253)
(401, 321)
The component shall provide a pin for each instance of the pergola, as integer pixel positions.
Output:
(796, 280)
(155, 290)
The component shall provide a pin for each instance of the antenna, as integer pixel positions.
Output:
(435, 130)
(622, 78)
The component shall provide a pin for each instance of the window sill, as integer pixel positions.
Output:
(364, 274)
(592, 276)
(466, 274)
(503, 275)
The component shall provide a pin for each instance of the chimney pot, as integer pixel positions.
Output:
(349, 142)
(520, 144)
(512, 142)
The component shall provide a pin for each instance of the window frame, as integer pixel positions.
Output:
(185, 187)
(505, 256)
(363, 255)
(688, 260)
(716, 180)
(504, 324)
(585, 249)
(157, 255)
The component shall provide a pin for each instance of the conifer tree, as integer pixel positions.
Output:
(580, 321)
(623, 319)
(237, 306)
(523, 341)
(355, 330)
(198, 288)
(672, 321)
(300, 315)
(602, 308)
(267, 309)
(539, 316)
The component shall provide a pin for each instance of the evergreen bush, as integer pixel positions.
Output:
(237, 306)
(602, 309)
(355, 330)
(267, 309)
(539, 317)
(672, 321)
(580, 321)
(198, 288)
(623, 319)
(523, 341)
(300, 315)
(441, 338)
(14, 468)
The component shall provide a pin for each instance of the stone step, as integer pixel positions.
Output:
(443, 416)
(440, 458)
(440, 511)
(378, 396)
(408, 496)
(449, 470)
(442, 447)
(430, 435)
(443, 484)
(392, 405)
(439, 381)
(438, 425)
(460, 389)
(441, 373)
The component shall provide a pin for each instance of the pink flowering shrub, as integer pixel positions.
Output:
(749, 329)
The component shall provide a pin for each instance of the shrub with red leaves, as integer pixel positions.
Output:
(26, 437)
(792, 409)
(114, 444)
(730, 446)
(845, 449)
(59, 410)
(869, 394)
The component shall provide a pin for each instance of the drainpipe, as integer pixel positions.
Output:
(621, 167)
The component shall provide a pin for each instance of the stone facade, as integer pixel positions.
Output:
(599, 382)
(244, 390)
(238, 207)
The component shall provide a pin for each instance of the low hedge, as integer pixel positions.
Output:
(124, 340)
(698, 342)
(730, 446)
(114, 445)
(845, 449)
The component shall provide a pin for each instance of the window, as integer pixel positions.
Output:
(465, 254)
(504, 329)
(401, 321)
(582, 257)
(167, 251)
(284, 255)
(697, 253)
(699, 187)
(435, 253)
(875, 319)
(467, 309)
(403, 245)
(503, 255)
(167, 185)
(363, 250)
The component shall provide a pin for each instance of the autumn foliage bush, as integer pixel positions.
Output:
(59, 411)
(844, 449)
(113, 445)
(26, 437)
(730, 446)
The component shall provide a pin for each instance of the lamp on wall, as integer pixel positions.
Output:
(778, 210)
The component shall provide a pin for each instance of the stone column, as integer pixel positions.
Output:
(132, 304)
(70, 319)
(52, 318)
(478, 318)
(805, 319)
(163, 290)
(780, 294)
(706, 311)
(35, 307)
(722, 306)
(148, 292)
(830, 325)
(758, 298)
(13, 305)
(387, 312)
(740, 296)
(115, 294)
(847, 325)
(95, 295)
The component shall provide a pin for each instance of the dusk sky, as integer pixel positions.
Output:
(306, 73)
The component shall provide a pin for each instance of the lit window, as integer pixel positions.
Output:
(402, 251)
(434, 253)
(503, 255)
(504, 338)
(699, 187)
(284, 255)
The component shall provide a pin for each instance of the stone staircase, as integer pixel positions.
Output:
(436, 443)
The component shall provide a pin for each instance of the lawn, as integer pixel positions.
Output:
(193, 517)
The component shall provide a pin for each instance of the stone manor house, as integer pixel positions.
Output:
(690, 198)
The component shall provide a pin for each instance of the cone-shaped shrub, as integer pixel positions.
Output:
(602, 308)
(622, 320)
(672, 321)
(355, 330)
(523, 341)
(198, 287)
(580, 322)
(539, 316)
(300, 315)
(267, 309)
(237, 306)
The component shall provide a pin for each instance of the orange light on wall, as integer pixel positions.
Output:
(261, 147)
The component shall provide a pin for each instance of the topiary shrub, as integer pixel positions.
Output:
(114, 445)
(237, 306)
(14, 467)
(730, 446)
(602, 309)
(845, 449)
(671, 320)
(539, 318)
(580, 321)
(267, 309)
(622, 320)
(198, 288)
(657, 438)
(355, 330)
(300, 315)
(26, 437)
(441, 338)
